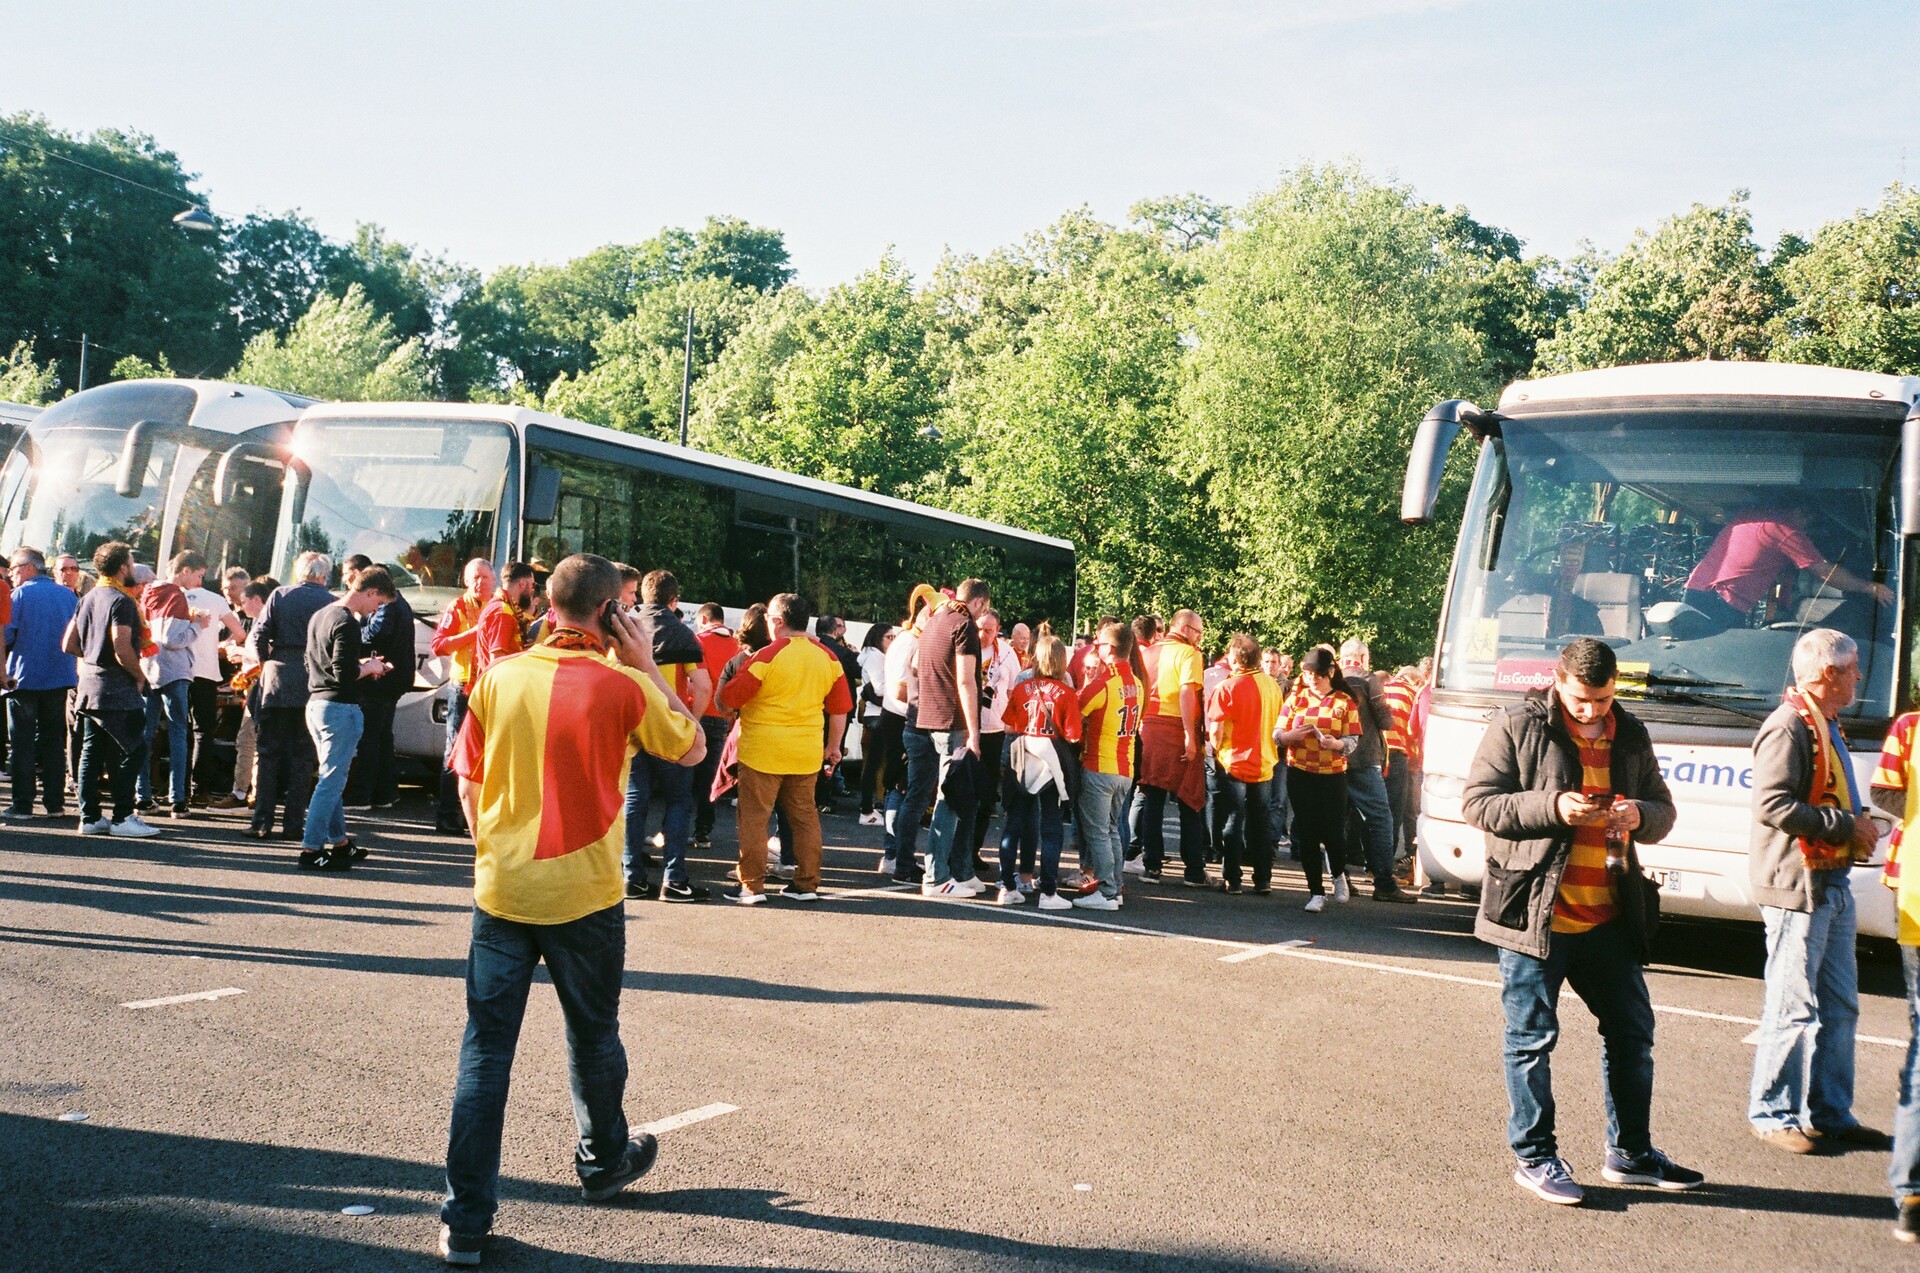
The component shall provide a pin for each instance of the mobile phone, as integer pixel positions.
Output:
(607, 612)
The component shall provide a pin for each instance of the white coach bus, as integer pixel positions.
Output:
(424, 488)
(1595, 496)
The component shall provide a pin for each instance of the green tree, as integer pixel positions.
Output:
(1183, 222)
(1329, 321)
(25, 380)
(93, 250)
(275, 266)
(1697, 287)
(341, 349)
(133, 368)
(1855, 291)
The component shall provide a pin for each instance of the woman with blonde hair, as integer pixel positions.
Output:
(910, 792)
(1040, 771)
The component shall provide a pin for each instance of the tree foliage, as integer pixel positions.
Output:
(1855, 291)
(24, 380)
(341, 349)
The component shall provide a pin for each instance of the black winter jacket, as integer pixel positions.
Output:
(1526, 759)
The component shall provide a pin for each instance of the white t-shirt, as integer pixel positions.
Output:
(1003, 672)
(206, 641)
(900, 668)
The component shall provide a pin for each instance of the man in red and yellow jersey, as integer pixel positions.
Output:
(790, 695)
(1404, 756)
(1110, 722)
(1241, 717)
(678, 655)
(718, 645)
(1896, 792)
(1552, 777)
(453, 640)
(542, 759)
(1172, 747)
(505, 624)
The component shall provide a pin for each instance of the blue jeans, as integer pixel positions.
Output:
(449, 813)
(1279, 808)
(1246, 830)
(1102, 822)
(169, 704)
(336, 735)
(649, 776)
(1030, 819)
(1367, 789)
(585, 958)
(1803, 1068)
(923, 775)
(1903, 1173)
(1605, 974)
(950, 839)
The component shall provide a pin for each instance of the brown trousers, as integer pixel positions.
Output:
(794, 793)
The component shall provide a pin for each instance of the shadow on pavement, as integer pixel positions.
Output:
(690, 983)
(1805, 1202)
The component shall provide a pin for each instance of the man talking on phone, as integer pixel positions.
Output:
(1555, 776)
(542, 759)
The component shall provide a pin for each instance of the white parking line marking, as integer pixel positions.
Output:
(203, 996)
(1241, 956)
(688, 1119)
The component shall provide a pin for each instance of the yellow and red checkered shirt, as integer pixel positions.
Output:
(1336, 715)
(1895, 772)
(1586, 899)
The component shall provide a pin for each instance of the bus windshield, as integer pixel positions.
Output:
(1698, 543)
(59, 494)
(420, 497)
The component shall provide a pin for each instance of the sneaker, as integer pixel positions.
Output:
(1151, 877)
(1316, 903)
(635, 1163)
(1263, 890)
(1650, 1168)
(103, 827)
(1550, 1181)
(1010, 897)
(1907, 1227)
(1087, 887)
(642, 890)
(683, 893)
(461, 1248)
(311, 859)
(743, 895)
(703, 840)
(1790, 1139)
(889, 866)
(1342, 891)
(338, 858)
(15, 815)
(1393, 893)
(133, 828)
(144, 806)
(1192, 882)
(1133, 866)
(913, 877)
(1856, 1134)
(952, 888)
(1097, 901)
(871, 819)
(1054, 902)
(782, 872)
(1027, 884)
(1231, 886)
(794, 893)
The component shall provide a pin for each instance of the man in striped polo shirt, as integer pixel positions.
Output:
(1553, 776)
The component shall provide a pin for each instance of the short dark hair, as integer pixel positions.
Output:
(660, 588)
(973, 590)
(1243, 651)
(186, 559)
(1118, 635)
(823, 626)
(376, 580)
(793, 609)
(1590, 662)
(518, 570)
(628, 574)
(579, 586)
(110, 558)
(356, 562)
(260, 589)
(1146, 628)
(713, 612)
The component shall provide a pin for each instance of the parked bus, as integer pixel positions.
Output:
(424, 488)
(1594, 497)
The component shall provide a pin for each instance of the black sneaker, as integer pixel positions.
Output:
(1231, 886)
(794, 893)
(1650, 1168)
(461, 1248)
(338, 858)
(1151, 875)
(642, 891)
(637, 1162)
(915, 876)
(1192, 882)
(683, 893)
(310, 859)
(703, 840)
(1394, 893)
(1907, 1227)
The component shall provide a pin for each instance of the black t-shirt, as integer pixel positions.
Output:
(105, 686)
(947, 636)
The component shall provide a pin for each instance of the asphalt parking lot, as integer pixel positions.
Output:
(914, 1083)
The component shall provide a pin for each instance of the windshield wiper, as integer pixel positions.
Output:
(1691, 682)
(1661, 693)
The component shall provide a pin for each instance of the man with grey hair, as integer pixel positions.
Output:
(1810, 829)
(285, 757)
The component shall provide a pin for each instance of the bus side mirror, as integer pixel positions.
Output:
(543, 495)
(1427, 461)
(299, 479)
(135, 453)
(1910, 474)
(227, 476)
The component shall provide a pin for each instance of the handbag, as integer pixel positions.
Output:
(1639, 899)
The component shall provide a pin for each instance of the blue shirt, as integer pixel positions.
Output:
(42, 609)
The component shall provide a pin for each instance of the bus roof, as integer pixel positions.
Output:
(1712, 379)
(221, 406)
(521, 417)
(18, 411)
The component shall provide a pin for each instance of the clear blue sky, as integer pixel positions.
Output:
(498, 132)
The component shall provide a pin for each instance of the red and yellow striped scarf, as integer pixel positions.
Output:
(1830, 788)
(1586, 898)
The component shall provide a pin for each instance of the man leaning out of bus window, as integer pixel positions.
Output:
(1555, 778)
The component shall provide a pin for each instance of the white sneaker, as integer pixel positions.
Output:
(952, 888)
(132, 829)
(103, 827)
(773, 848)
(1027, 884)
(1134, 866)
(1316, 904)
(782, 872)
(1097, 902)
(1010, 897)
(873, 819)
(1342, 891)
(966, 888)
(886, 866)
(659, 840)
(1054, 902)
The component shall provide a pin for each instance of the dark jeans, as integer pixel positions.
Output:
(1400, 793)
(170, 705)
(116, 742)
(1367, 792)
(1716, 608)
(991, 748)
(203, 706)
(37, 734)
(1602, 969)
(1903, 1172)
(1246, 830)
(584, 960)
(1031, 821)
(647, 777)
(716, 729)
(1319, 823)
(288, 768)
(375, 779)
(1149, 812)
(923, 773)
(450, 816)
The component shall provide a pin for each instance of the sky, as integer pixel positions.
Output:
(497, 132)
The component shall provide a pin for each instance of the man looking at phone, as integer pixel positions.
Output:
(338, 666)
(1809, 830)
(1553, 776)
